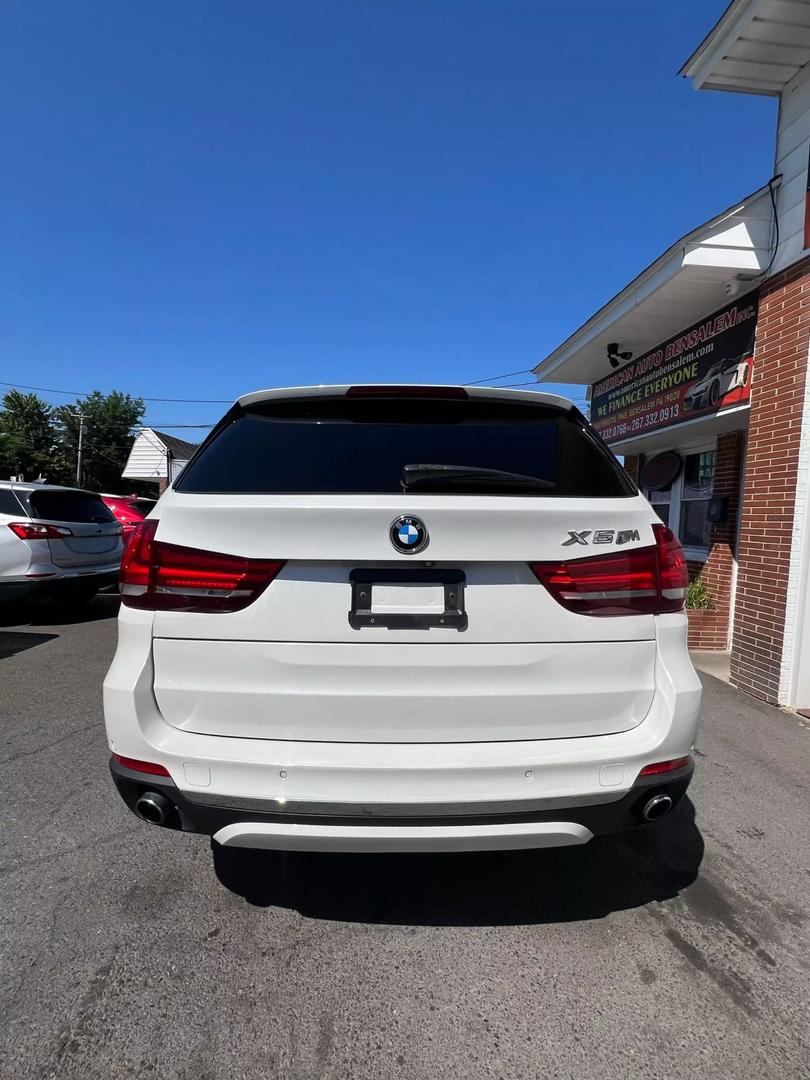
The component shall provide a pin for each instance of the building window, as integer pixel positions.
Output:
(661, 502)
(684, 504)
(696, 491)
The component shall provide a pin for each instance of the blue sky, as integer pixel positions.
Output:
(200, 198)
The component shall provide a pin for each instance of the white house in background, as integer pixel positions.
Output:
(157, 457)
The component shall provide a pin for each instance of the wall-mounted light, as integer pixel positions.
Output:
(615, 357)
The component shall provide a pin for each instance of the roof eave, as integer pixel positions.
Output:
(728, 27)
(718, 64)
(580, 337)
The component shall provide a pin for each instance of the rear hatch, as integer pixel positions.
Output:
(359, 638)
(95, 535)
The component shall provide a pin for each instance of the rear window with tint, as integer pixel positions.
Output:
(77, 506)
(143, 506)
(9, 503)
(360, 446)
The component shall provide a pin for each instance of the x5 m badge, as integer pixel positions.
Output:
(601, 536)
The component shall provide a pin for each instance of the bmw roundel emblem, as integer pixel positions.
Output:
(408, 534)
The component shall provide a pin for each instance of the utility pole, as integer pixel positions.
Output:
(81, 418)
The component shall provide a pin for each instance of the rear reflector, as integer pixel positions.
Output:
(407, 392)
(665, 766)
(29, 530)
(141, 766)
(167, 577)
(640, 581)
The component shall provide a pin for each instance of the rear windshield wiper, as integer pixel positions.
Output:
(470, 477)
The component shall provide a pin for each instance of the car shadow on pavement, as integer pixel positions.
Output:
(611, 873)
(51, 613)
(12, 642)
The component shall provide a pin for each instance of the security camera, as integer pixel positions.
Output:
(615, 357)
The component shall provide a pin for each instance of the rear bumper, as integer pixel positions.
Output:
(101, 579)
(318, 793)
(21, 587)
(278, 825)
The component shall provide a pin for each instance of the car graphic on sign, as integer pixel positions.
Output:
(719, 380)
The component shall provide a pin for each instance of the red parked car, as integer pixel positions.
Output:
(130, 510)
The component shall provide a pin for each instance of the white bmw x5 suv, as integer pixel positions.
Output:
(402, 618)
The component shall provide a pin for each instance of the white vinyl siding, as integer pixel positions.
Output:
(148, 459)
(792, 148)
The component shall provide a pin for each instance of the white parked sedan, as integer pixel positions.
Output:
(56, 541)
(402, 618)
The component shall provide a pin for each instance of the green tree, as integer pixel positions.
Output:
(109, 420)
(28, 442)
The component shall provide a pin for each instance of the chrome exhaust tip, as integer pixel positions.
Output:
(656, 807)
(153, 807)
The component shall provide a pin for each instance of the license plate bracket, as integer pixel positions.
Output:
(453, 617)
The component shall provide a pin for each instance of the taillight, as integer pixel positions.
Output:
(29, 530)
(167, 577)
(673, 573)
(136, 765)
(641, 581)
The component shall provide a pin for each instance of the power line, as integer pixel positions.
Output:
(506, 375)
(534, 382)
(82, 393)
(228, 401)
(506, 386)
(494, 378)
(139, 424)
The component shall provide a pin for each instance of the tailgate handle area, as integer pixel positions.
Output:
(454, 617)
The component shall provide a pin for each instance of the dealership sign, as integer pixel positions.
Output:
(696, 373)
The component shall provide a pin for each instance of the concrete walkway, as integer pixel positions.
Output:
(712, 662)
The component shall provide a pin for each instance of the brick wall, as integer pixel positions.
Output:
(710, 629)
(771, 467)
(632, 466)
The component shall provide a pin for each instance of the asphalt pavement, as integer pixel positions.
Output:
(130, 951)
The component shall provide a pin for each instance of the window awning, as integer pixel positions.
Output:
(697, 275)
(694, 435)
